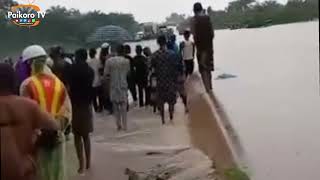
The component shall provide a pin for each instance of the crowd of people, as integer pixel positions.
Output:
(44, 97)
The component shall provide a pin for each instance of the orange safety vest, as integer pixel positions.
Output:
(49, 92)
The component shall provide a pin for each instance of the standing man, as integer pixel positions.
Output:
(117, 70)
(60, 68)
(166, 71)
(187, 51)
(132, 74)
(140, 63)
(104, 56)
(82, 122)
(147, 53)
(203, 34)
(95, 64)
(51, 95)
(172, 43)
(181, 72)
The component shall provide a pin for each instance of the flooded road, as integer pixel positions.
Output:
(274, 102)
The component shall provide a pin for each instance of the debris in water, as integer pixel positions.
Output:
(167, 152)
(225, 76)
(154, 153)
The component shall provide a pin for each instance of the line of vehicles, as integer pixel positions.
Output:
(152, 30)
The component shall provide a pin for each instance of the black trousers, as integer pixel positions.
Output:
(189, 67)
(171, 111)
(109, 105)
(132, 89)
(148, 95)
(142, 92)
(98, 98)
(106, 103)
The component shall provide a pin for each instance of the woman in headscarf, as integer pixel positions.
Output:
(19, 118)
(81, 93)
(51, 95)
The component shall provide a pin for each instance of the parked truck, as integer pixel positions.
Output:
(150, 30)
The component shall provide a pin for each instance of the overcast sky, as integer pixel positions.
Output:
(143, 10)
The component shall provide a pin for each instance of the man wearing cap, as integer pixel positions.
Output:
(203, 33)
(51, 95)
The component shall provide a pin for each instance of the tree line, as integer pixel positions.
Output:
(61, 26)
(70, 27)
(251, 13)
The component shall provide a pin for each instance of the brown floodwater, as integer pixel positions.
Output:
(274, 103)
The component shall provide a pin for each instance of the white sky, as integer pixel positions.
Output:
(143, 10)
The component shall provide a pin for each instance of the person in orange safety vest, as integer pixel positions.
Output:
(51, 95)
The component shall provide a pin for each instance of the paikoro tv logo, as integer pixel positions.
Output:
(26, 15)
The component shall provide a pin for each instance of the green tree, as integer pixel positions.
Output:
(6, 4)
(239, 5)
(176, 18)
(66, 27)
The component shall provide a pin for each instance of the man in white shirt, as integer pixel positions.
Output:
(95, 64)
(116, 70)
(187, 50)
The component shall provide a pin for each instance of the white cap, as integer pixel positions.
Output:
(32, 52)
(105, 45)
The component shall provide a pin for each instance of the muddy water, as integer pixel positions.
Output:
(274, 102)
